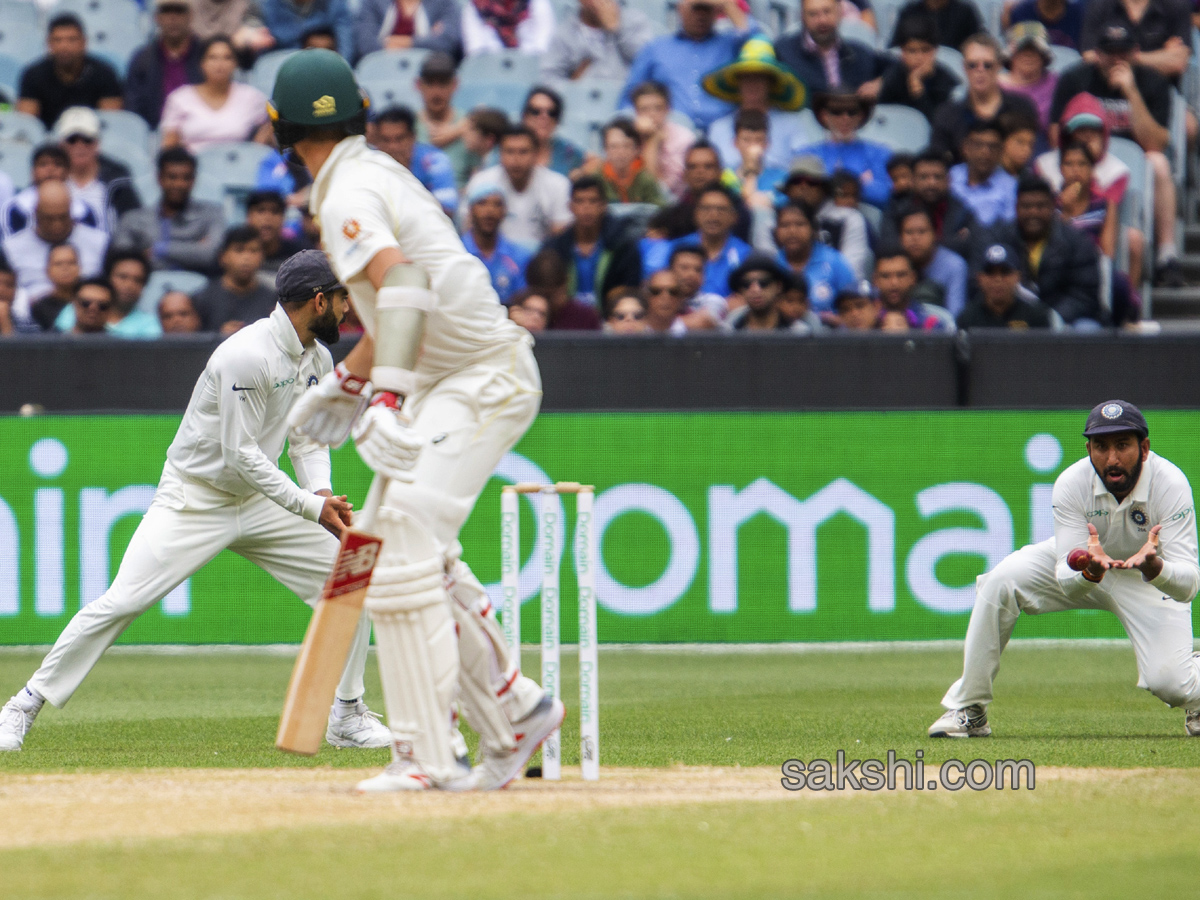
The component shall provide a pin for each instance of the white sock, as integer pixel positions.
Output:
(1167, 253)
(29, 700)
(345, 708)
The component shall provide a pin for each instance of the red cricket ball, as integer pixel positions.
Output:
(1078, 559)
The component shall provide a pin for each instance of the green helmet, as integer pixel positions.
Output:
(315, 89)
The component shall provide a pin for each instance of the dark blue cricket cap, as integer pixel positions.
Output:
(1114, 416)
(999, 256)
(304, 275)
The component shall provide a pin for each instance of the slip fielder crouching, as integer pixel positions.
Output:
(1124, 541)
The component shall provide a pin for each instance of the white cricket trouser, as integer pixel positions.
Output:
(1159, 628)
(174, 541)
(469, 420)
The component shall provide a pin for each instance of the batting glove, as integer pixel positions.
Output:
(386, 444)
(327, 412)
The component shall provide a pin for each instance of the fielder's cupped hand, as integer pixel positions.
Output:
(326, 413)
(1147, 558)
(1093, 562)
(336, 515)
(386, 444)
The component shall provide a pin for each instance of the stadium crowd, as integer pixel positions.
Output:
(707, 201)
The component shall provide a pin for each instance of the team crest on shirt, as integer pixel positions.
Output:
(1138, 515)
(351, 229)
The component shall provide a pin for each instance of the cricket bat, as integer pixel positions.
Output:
(326, 644)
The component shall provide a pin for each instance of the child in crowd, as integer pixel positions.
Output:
(1020, 141)
(625, 176)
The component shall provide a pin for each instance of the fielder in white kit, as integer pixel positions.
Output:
(1124, 541)
(221, 488)
(455, 386)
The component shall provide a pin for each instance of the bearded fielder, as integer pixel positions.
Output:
(455, 385)
(1124, 541)
(221, 489)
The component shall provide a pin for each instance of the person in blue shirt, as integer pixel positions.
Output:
(716, 214)
(290, 23)
(842, 113)
(126, 272)
(680, 61)
(933, 261)
(825, 271)
(504, 260)
(394, 132)
(980, 183)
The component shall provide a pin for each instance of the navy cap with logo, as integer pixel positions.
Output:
(1115, 416)
(1115, 39)
(999, 256)
(304, 275)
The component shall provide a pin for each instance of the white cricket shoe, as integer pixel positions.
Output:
(407, 775)
(361, 729)
(1191, 723)
(15, 723)
(498, 767)
(970, 721)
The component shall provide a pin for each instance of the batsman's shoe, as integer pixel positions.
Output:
(407, 775)
(970, 721)
(498, 767)
(14, 725)
(361, 729)
(1191, 723)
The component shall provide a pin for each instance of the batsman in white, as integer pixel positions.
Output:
(221, 488)
(455, 386)
(1124, 541)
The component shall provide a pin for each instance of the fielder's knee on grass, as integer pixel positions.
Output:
(1173, 685)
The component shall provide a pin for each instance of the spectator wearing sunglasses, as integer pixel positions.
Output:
(664, 304)
(93, 303)
(542, 113)
(102, 183)
(626, 314)
(842, 113)
(755, 288)
(985, 100)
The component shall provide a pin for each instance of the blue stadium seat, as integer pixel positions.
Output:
(857, 30)
(22, 42)
(10, 73)
(235, 165)
(20, 12)
(21, 127)
(133, 153)
(505, 66)
(886, 13)
(99, 14)
(161, 282)
(397, 65)
(1137, 206)
(115, 42)
(1064, 58)
(15, 158)
(391, 92)
(582, 133)
(952, 60)
(901, 128)
(507, 96)
(593, 100)
(126, 126)
(266, 67)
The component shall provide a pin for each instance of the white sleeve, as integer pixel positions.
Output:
(241, 421)
(560, 201)
(1180, 576)
(1070, 533)
(537, 32)
(310, 459)
(355, 226)
(477, 35)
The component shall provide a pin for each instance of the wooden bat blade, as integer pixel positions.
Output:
(326, 646)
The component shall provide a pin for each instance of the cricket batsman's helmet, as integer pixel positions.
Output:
(316, 90)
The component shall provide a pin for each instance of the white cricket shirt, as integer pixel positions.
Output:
(236, 422)
(365, 202)
(1162, 496)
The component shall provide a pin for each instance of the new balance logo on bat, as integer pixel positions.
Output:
(357, 562)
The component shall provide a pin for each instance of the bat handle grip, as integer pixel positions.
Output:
(366, 518)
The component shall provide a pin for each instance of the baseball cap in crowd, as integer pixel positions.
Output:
(481, 191)
(758, 262)
(438, 66)
(78, 121)
(998, 256)
(172, 4)
(1115, 416)
(1029, 35)
(805, 168)
(305, 274)
(1115, 39)
(860, 290)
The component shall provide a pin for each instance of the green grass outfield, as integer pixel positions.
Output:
(1095, 836)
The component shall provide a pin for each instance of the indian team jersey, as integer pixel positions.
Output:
(364, 202)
